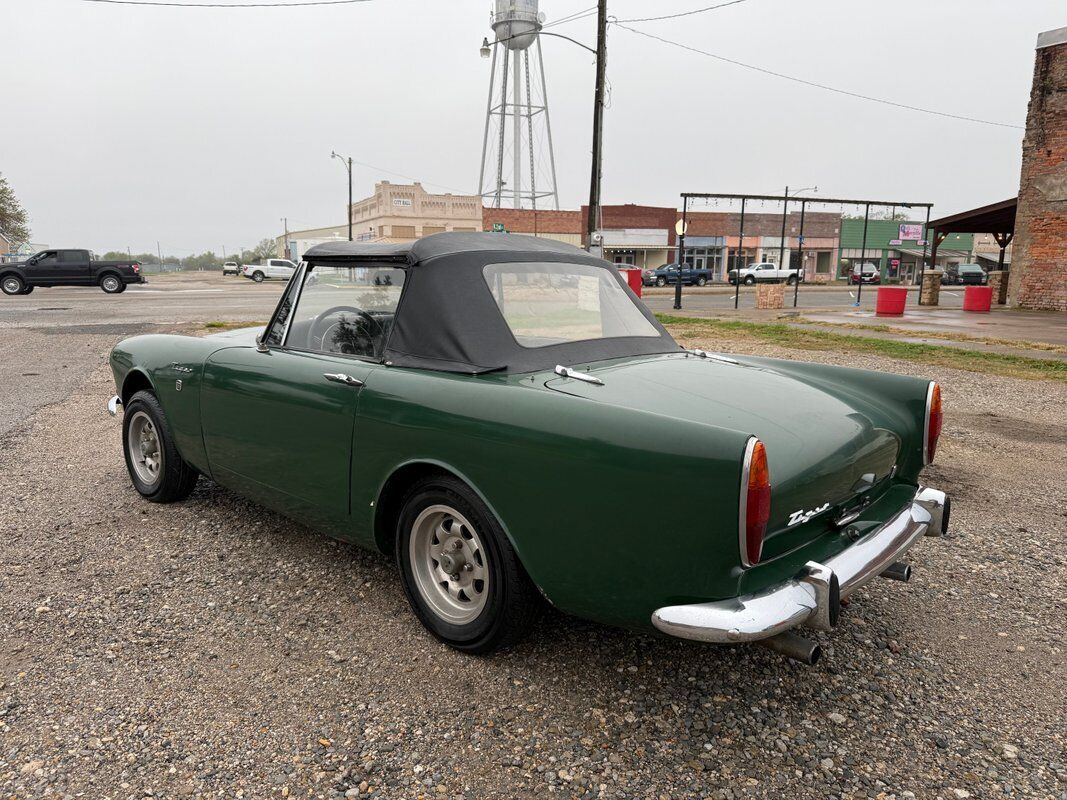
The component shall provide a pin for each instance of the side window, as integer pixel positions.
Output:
(48, 259)
(346, 310)
(276, 334)
(73, 257)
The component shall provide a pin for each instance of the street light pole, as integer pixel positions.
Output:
(348, 209)
(593, 222)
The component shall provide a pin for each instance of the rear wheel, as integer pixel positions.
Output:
(460, 573)
(157, 470)
(111, 284)
(791, 280)
(661, 281)
(702, 281)
(258, 276)
(12, 284)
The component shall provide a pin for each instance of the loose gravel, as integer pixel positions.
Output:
(214, 649)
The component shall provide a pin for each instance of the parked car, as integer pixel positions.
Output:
(865, 273)
(765, 272)
(269, 268)
(231, 268)
(68, 268)
(668, 274)
(396, 402)
(965, 275)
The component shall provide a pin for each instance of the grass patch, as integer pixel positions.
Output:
(949, 336)
(229, 326)
(800, 338)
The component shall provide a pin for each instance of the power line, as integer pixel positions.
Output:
(816, 85)
(684, 13)
(577, 15)
(228, 5)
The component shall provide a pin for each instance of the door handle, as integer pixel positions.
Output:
(340, 377)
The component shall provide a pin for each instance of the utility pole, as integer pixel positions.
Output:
(285, 222)
(593, 223)
(348, 209)
(781, 243)
(159, 252)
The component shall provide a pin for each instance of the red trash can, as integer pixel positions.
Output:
(891, 301)
(633, 277)
(977, 298)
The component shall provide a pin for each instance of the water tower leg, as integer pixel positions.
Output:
(485, 137)
(516, 132)
(548, 124)
(530, 129)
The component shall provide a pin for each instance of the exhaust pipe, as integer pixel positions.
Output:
(898, 571)
(795, 647)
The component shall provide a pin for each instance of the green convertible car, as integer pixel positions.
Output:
(489, 409)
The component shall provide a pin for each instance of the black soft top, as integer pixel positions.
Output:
(447, 319)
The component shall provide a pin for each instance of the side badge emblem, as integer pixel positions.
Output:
(177, 386)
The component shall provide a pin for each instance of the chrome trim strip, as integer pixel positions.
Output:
(742, 503)
(113, 405)
(926, 424)
(299, 275)
(807, 599)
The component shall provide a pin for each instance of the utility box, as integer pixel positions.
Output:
(770, 295)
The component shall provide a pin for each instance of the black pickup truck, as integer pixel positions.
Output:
(68, 268)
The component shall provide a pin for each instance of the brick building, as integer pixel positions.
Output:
(1039, 263)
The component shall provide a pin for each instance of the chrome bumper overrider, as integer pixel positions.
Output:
(813, 597)
(113, 405)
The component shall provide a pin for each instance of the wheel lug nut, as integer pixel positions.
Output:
(454, 576)
(468, 567)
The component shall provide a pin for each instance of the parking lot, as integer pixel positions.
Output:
(214, 649)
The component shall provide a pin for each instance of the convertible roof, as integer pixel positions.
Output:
(441, 244)
(448, 319)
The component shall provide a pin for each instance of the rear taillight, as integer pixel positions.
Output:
(136, 269)
(755, 502)
(932, 426)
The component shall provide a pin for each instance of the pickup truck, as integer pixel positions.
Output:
(231, 268)
(668, 273)
(68, 268)
(269, 268)
(765, 273)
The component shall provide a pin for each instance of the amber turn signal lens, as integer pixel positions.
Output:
(758, 504)
(933, 423)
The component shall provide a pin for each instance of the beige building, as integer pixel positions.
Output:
(402, 212)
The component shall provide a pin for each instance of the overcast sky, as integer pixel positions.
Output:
(202, 128)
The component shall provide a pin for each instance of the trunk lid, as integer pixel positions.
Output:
(824, 452)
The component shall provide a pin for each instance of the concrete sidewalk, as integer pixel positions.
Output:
(1021, 333)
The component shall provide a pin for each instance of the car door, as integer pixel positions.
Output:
(278, 420)
(43, 269)
(72, 267)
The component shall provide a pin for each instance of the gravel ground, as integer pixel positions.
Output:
(213, 649)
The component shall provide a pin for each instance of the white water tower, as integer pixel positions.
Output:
(517, 155)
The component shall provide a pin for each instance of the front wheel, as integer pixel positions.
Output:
(460, 574)
(157, 470)
(749, 280)
(702, 281)
(12, 284)
(28, 290)
(661, 281)
(258, 276)
(111, 284)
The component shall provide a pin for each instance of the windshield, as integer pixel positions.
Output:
(970, 268)
(554, 303)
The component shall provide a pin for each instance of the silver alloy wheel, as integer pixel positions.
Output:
(145, 449)
(449, 564)
(110, 283)
(12, 285)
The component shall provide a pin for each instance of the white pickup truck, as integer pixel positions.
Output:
(765, 273)
(279, 268)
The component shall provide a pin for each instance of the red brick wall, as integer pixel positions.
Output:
(1039, 260)
(527, 220)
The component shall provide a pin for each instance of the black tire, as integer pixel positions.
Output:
(12, 285)
(702, 281)
(111, 283)
(791, 280)
(513, 603)
(176, 479)
(121, 289)
(257, 276)
(28, 290)
(661, 281)
(750, 281)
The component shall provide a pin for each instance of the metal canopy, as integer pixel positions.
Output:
(995, 218)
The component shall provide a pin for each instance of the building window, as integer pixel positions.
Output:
(403, 231)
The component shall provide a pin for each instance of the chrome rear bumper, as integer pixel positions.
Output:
(813, 597)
